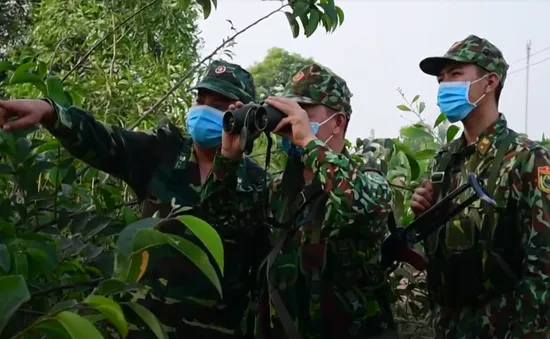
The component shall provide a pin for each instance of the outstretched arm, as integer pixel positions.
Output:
(130, 156)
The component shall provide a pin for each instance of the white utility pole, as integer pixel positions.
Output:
(527, 83)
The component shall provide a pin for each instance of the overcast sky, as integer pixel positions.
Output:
(380, 44)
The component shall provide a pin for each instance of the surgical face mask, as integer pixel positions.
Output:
(205, 124)
(453, 100)
(286, 145)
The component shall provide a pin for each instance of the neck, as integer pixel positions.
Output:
(205, 155)
(478, 121)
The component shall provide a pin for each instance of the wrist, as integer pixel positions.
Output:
(231, 155)
(50, 114)
(304, 141)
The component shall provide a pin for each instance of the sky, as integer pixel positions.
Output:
(380, 44)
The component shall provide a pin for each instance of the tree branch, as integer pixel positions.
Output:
(92, 282)
(194, 69)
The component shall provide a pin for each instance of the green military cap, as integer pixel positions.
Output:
(229, 80)
(472, 50)
(316, 84)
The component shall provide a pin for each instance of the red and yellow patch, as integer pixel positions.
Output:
(299, 76)
(543, 178)
(220, 69)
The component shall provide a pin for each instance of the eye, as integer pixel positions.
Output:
(456, 73)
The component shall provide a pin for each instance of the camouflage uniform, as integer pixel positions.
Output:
(160, 166)
(323, 273)
(489, 267)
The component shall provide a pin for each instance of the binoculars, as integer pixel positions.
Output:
(249, 119)
(255, 117)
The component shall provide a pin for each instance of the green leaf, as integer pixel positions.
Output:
(330, 11)
(124, 241)
(111, 310)
(413, 164)
(5, 258)
(313, 22)
(96, 225)
(56, 92)
(300, 9)
(340, 15)
(148, 238)
(22, 76)
(6, 169)
(421, 107)
(404, 108)
(439, 119)
(13, 293)
(207, 235)
(77, 327)
(416, 97)
(149, 319)
(206, 7)
(425, 154)
(451, 132)
(416, 132)
(294, 26)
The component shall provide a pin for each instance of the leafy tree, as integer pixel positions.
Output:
(275, 70)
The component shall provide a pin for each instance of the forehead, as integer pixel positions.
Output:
(205, 94)
(460, 66)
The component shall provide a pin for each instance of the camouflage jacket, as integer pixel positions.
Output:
(522, 189)
(353, 195)
(161, 166)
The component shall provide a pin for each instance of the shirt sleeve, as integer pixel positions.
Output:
(531, 185)
(130, 156)
(352, 191)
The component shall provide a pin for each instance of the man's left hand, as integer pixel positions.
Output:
(296, 117)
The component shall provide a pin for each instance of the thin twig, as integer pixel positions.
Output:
(85, 57)
(92, 282)
(192, 70)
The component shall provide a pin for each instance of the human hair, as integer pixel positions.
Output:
(482, 72)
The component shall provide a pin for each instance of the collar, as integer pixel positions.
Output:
(486, 140)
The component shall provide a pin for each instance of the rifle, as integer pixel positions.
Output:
(399, 245)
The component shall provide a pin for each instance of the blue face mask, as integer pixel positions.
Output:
(453, 101)
(205, 124)
(286, 145)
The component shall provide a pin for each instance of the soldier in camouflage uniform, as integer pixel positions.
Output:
(163, 165)
(489, 271)
(329, 215)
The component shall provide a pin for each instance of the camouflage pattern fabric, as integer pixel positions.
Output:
(353, 227)
(161, 166)
(230, 80)
(472, 50)
(519, 236)
(317, 84)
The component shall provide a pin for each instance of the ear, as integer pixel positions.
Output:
(492, 82)
(340, 121)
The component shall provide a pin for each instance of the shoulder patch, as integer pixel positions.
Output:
(299, 76)
(543, 178)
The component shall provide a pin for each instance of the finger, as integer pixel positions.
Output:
(427, 184)
(5, 114)
(425, 193)
(239, 104)
(282, 124)
(14, 107)
(281, 106)
(232, 107)
(26, 121)
(417, 208)
(421, 201)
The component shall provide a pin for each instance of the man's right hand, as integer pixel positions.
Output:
(28, 113)
(231, 145)
(422, 198)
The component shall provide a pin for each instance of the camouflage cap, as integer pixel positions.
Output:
(316, 84)
(229, 80)
(472, 50)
